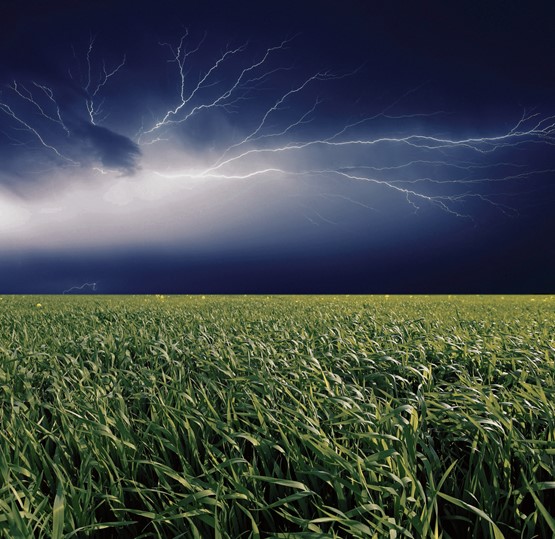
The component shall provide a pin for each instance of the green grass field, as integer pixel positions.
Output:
(238, 417)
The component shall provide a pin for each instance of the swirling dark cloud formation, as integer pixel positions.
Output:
(43, 128)
(114, 151)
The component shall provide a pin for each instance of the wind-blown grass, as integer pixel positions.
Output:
(277, 417)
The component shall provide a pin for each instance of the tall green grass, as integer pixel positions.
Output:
(236, 417)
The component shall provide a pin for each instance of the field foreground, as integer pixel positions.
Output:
(361, 416)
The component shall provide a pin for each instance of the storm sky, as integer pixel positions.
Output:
(277, 147)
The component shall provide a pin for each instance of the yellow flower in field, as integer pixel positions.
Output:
(203, 297)
(39, 305)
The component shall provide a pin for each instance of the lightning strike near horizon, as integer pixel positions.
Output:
(80, 288)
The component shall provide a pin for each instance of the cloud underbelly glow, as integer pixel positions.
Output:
(145, 210)
(13, 214)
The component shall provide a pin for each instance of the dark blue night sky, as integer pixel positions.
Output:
(277, 147)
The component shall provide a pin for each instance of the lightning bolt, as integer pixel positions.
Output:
(84, 286)
(180, 113)
(27, 95)
(542, 132)
(40, 99)
(4, 107)
(94, 89)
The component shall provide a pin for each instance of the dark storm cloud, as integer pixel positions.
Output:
(114, 151)
(46, 86)
(56, 136)
(23, 159)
